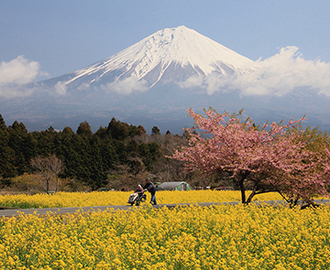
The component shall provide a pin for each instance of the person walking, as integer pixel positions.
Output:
(152, 189)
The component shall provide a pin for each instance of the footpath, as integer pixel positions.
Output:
(109, 208)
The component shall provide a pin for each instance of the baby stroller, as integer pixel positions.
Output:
(137, 197)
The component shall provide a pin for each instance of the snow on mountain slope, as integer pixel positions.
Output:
(185, 70)
(169, 51)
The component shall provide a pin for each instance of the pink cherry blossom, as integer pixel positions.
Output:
(264, 159)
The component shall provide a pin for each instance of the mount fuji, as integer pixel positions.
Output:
(152, 83)
(169, 55)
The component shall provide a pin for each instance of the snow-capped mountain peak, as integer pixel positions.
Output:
(183, 69)
(162, 55)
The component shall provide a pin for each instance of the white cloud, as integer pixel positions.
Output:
(60, 88)
(127, 86)
(282, 73)
(195, 80)
(217, 82)
(84, 86)
(277, 75)
(15, 73)
(15, 91)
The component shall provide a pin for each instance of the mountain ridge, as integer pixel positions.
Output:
(140, 86)
(153, 57)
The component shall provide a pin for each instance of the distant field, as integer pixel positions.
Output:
(62, 199)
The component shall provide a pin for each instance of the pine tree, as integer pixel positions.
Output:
(2, 123)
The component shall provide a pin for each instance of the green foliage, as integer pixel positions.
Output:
(87, 158)
(2, 123)
(315, 139)
(7, 156)
(118, 130)
(27, 182)
(84, 129)
(155, 130)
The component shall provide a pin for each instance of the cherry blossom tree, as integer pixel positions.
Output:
(265, 159)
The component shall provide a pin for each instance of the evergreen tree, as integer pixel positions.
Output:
(101, 133)
(86, 157)
(84, 129)
(155, 130)
(97, 174)
(45, 142)
(65, 149)
(2, 123)
(109, 154)
(7, 156)
(19, 142)
(118, 130)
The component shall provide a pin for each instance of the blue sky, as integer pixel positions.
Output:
(63, 36)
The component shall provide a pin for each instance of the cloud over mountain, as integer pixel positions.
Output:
(126, 86)
(164, 74)
(283, 72)
(184, 57)
(277, 75)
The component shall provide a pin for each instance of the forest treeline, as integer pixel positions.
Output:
(117, 156)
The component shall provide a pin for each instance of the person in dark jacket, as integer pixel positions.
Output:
(152, 189)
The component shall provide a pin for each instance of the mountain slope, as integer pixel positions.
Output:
(153, 82)
(171, 54)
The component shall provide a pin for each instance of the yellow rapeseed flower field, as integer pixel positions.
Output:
(191, 237)
(64, 199)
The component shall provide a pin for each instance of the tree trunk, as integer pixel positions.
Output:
(47, 186)
(242, 188)
(243, 176)
(253, 193)
(56, 187)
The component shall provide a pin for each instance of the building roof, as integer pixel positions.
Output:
(174, 186)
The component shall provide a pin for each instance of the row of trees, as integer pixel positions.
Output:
(222, 149)
(89, 158)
